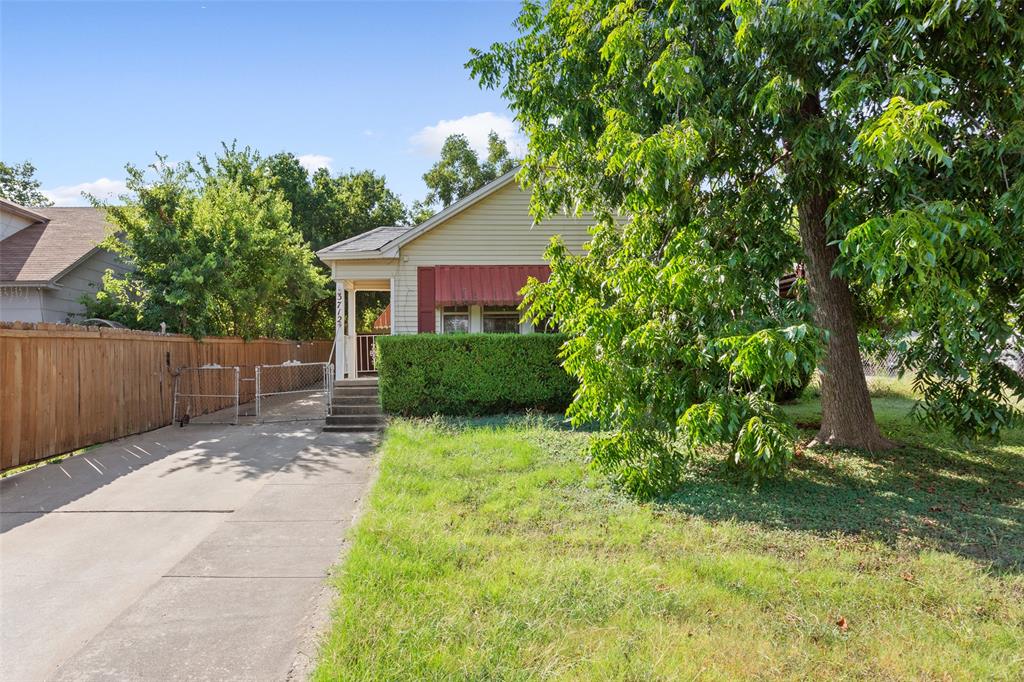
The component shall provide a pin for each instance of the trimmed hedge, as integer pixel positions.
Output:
(471, 374)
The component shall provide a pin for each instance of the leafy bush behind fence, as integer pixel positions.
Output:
(472, 374)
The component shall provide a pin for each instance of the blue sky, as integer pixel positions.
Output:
(88, 86)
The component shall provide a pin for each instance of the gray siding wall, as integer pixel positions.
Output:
(60, 305)
(21, 305)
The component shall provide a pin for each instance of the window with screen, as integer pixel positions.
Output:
(455, 319)
(501, 320)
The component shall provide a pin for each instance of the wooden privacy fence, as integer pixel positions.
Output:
(64, 387)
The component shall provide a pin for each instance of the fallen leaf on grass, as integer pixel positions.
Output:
(841, 624)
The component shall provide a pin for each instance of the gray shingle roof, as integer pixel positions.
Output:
(372, 240)
(9, 206)
(42, 251)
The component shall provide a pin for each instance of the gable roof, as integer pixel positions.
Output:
(376, 247)
(369, 241)
(9, 206)
(43, 252)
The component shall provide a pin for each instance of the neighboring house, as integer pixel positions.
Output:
(459, 271)
(49, 257)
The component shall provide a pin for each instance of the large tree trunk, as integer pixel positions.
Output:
(847, 419)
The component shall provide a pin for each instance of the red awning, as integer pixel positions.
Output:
(484, 284)
(383, 320)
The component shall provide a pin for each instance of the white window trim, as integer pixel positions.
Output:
(476, 321)
(520, 327)
(440, 315)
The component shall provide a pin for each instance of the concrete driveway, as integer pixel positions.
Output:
(195, 553)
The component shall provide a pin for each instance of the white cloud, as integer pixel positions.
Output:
(429, 140)
(71, 195)
(314, 162)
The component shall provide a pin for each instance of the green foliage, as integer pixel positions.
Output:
(18, 184)
(949, 274)
(214, 252)
(293, 180)
(696, 131)
(460, 172)
(468, 374)
(351, 203)
(370, 305)
(317, 210)
(327, 209)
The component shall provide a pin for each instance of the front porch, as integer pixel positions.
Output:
(355, 338)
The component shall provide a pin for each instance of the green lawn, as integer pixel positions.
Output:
(491, 551)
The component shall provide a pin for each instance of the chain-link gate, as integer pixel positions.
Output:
(212, 394)
(207, 394)
(293, 391)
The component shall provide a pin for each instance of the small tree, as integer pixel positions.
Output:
(214, 252)
(18, 184)
(880, 143)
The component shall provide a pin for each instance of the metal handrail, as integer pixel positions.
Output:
(334, 346)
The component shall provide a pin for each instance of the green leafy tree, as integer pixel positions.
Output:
(327, 209)
(879, 143)
(324, 209)
(369, 306)
(460, 172)
(18, 184)
(295, 183)
(214, 252)
(351, 203)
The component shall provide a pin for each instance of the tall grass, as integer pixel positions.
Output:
(491, 551)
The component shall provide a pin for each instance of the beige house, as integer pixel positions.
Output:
(49, 258)
(459, 271)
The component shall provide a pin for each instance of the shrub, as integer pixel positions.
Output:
(472, 374)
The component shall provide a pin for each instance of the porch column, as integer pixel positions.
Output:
(353, 351)
(393, 302)
(340, 354)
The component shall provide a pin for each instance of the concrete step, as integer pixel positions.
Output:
(361, 383)
(355, 392)
(370, 410)
(335, 428)
(365, 420)
(355, 400)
